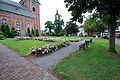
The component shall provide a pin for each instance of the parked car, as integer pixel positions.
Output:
(106, 37)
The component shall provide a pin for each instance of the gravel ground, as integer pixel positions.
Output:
(50, 60)
(14, 67)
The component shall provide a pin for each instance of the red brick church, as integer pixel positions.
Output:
(22, 15)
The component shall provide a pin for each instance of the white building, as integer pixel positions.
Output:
(81, 31)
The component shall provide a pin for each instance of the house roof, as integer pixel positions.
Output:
(16, 8)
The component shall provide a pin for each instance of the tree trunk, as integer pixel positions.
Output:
(112, 27)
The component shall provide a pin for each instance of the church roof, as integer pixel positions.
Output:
(16, 8)
(36, 1)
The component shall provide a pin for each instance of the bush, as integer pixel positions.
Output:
(33, 33)
(1, 33)
(28, 30)
(37, 33)
(13, 33)
(30, 35)
(50, 34)
(3, 28)
(2, 37)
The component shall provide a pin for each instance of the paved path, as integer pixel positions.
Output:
(117, 41)
(14, 67)
(49, 60)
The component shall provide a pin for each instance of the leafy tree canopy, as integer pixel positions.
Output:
(103, 8)
(58, 23)
(49, 25)
(71, 28)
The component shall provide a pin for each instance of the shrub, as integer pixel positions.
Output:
(28, 30)
(50, 34)
(30, 35)
(3, 28)
(37, 33)
(33, 33)
(2, 37)
(1, 33)
(6, 30)
(13, 33)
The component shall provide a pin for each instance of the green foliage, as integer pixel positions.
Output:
(30, 35)
(71, 28)
(6, 30)
(33, 33)
(49, 25)
(3, 28)
(58, 23)
(108, 10)
(37, 33)
(94, 25)
(14, 33)
(2, 37)
(1, 33)
(90, 25)
(50, 34)
(28, 30)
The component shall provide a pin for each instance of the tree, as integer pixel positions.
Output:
(33, 33)
(13, 32)
(92, 24)
(6, 30)
(110, 8)
(28, 30)
(3, 28)
(49, 25)
(37, 33)
(71, 28)
(58, 23)
(101, 26)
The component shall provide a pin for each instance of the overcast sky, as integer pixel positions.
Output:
(48, 9)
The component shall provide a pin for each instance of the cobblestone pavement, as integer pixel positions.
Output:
(117, 41)
(51, 59)
(14, 67)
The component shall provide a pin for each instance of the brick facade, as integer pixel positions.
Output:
(12, 18)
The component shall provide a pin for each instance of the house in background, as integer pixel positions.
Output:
(22, 15)
(81, 31)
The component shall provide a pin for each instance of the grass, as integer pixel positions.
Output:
(93, 64)
(66, 37)
(23, 46)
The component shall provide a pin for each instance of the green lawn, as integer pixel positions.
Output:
(93, 64)
(23, 46)
(65, 37)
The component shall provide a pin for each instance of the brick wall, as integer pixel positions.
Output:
(12, 18)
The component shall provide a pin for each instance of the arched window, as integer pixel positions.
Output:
(4, 21)
(29, 26)
(18, 27)
(34, 9)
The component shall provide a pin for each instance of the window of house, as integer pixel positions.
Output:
(18, 27)
(4, 21)
(34, 9)
(29, 26)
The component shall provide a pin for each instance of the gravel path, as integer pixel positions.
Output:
(14, 67)
(117, 41)
(50, 60)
